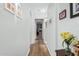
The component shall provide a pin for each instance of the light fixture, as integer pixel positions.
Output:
(43, 10)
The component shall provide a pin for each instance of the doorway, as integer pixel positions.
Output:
(39, 27)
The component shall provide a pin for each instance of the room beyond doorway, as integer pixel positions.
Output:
(39, 26)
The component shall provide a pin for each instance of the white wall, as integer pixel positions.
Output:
(15, 38)
(49, 31)
(67, 24)
(53, 30)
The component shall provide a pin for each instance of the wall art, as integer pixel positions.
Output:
(62, 14)
(74, 10)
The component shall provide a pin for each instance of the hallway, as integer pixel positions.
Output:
(34, 29)
(39, 48)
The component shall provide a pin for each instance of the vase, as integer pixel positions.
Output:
(68, 51)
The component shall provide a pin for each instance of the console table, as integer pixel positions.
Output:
(60, 52)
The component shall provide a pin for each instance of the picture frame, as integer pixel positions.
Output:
(11, 7)
(74, 10)
(62, 14)
(46, 24)
(19, 11)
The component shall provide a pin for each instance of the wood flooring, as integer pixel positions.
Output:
(39, 48)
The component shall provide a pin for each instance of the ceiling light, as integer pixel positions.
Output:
(43, 10)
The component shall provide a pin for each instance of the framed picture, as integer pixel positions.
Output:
(19, 11)
(74, 10)
(14, 9)
(46, 24)
(62, 14)
(11, 7)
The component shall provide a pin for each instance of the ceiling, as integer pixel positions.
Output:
(38, 10)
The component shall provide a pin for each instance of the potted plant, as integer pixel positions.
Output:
(68, 39)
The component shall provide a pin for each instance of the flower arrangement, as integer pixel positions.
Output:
(68, 39)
